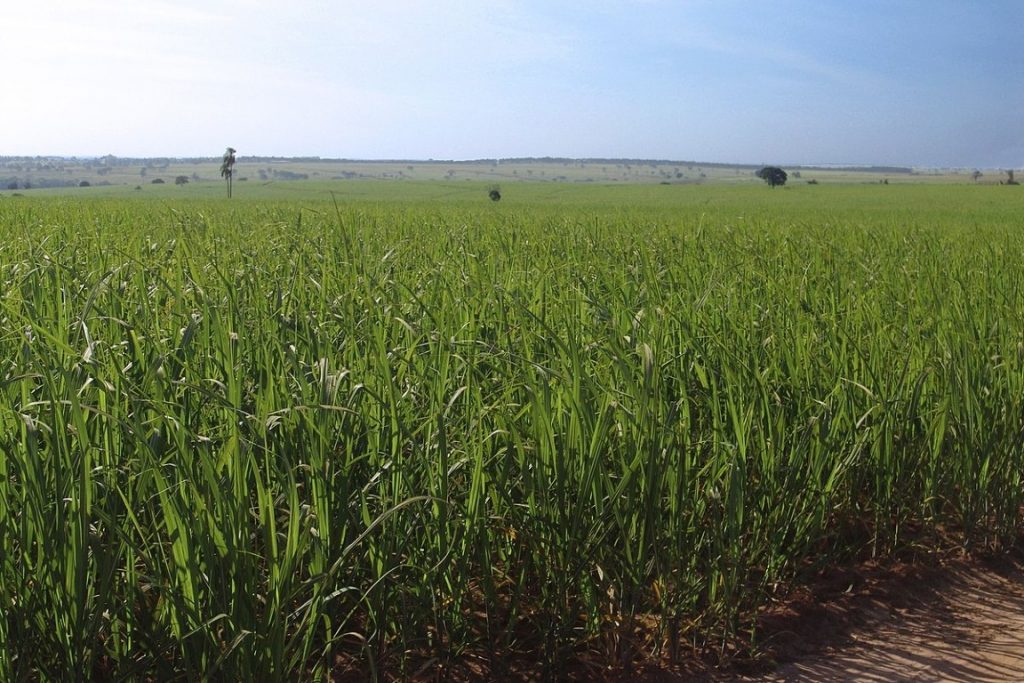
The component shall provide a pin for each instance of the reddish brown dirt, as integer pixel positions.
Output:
(942, 619)
(960, 621)
(952, 618)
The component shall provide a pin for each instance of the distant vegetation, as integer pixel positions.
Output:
(54, 173)
(227, 168)
(773, 175)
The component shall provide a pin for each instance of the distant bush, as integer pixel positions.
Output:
(156, 181)
(84, 183)
(289, 175)
(773, 175)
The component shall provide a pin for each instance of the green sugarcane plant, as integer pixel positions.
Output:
(239, 446)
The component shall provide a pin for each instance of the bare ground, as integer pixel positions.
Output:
(960, 621)
(943, 618)
(956, 618)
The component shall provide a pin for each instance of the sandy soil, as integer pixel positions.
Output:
(963, 621)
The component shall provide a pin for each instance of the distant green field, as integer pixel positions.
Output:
(364, 427)
(301, 178)
(908, 200)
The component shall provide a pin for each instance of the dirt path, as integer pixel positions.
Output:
(941, 617)
(963, 622)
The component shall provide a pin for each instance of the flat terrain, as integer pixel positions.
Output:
(963, 622)
(303, 178)
(956, 618)
(388, 428)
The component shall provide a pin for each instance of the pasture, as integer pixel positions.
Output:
(280, 178)
(371, 427)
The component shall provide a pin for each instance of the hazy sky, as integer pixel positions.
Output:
(910, 82)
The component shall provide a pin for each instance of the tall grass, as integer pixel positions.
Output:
(265, 442)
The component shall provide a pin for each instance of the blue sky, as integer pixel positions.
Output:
(911, 82)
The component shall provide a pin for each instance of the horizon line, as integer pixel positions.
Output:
(515, 159)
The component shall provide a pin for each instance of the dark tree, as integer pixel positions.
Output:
(773, 175)
(157, 181)
(495, 195)
(84, 183)
(181, 180)
(227, 167)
